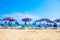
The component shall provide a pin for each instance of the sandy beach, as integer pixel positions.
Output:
(42, 34)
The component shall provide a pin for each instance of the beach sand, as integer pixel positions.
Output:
(42, 34)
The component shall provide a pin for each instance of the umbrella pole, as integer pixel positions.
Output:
(40, 24)
(9, 24)
(6, 23)
(44, 25)
(55, 26)
(25, 24)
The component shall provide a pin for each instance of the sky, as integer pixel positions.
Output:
(35, 9)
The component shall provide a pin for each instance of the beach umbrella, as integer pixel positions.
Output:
(10, 19)
(43, 19)
(57, 20)
(26, 20)
(51, 21)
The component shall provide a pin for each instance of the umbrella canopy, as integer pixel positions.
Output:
(51, 21)
(57, 20)
(43, 19)
(9, 18)
(26, 19)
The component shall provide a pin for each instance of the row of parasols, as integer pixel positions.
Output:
(25, 20)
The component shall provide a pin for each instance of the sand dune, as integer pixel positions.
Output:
(42, 34)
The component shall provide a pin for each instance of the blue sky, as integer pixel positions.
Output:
(34, 9)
